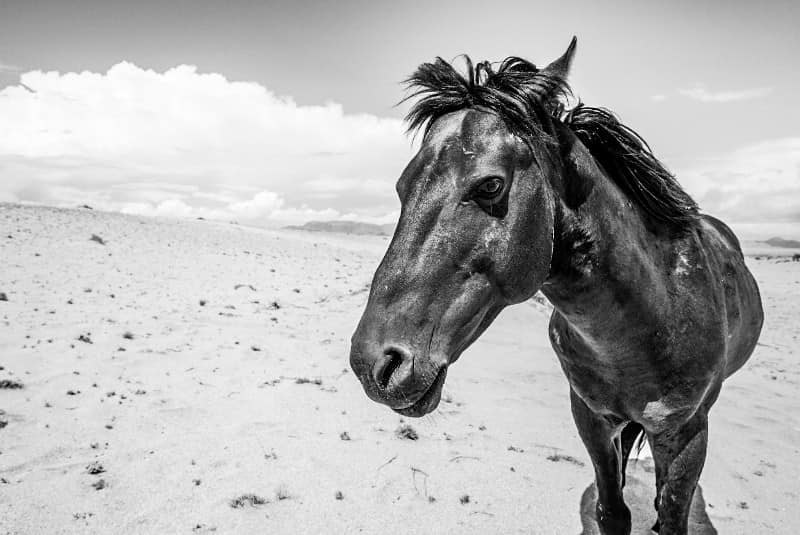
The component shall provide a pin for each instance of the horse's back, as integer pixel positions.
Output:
(744, 312)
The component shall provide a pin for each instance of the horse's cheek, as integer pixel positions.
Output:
(526, 265)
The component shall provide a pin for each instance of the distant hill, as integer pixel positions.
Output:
(780, 242)
(346, 227)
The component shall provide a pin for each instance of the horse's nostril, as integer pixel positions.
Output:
(392, 359)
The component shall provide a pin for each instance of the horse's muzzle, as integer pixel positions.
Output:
(395, 376)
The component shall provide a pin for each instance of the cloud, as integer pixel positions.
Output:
(658, 98)
(757, 183)
(701, 94)
(186, 143)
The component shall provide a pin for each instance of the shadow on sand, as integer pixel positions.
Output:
(639, 494)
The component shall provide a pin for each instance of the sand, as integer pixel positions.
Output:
(198, 368)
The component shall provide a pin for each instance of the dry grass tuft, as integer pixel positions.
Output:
(282, 493)
(557, 457)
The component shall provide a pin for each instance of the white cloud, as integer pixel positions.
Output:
(264, 203)
(187, 144)
(700, 93)
(658, 98)
(757, 183)
(183, 143)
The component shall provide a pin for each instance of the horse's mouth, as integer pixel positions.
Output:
(429, 400)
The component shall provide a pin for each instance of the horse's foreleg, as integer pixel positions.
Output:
(679, 456)
(597, 433)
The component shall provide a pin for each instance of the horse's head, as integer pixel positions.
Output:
(475, 232)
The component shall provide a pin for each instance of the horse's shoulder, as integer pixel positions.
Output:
(710, 249)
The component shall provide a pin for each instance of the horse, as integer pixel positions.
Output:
(514, 192)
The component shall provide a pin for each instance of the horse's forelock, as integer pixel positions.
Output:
(517, 91)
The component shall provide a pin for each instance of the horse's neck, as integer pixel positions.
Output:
(605, 260)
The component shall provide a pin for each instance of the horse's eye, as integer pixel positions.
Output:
(490, 188)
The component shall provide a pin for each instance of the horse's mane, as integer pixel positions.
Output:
(529, 101)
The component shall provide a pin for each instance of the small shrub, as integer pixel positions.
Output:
(306, 380)
(95, 468)
(247, 499)
(407, 432)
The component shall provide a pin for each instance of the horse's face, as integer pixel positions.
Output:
(475, 235)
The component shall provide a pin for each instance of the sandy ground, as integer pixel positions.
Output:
(143, 362)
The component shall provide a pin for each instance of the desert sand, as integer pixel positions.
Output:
(191, 376)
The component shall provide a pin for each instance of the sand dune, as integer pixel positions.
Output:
(199, 371)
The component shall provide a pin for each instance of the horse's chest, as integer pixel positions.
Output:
(612, 379)
(602, 384)
(629, 383)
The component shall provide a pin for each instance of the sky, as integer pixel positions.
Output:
(271, 113)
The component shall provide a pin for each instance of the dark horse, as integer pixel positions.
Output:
(511, 193)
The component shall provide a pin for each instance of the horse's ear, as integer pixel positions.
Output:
(560, 67)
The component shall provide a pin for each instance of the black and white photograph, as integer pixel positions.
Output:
(418, 268)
